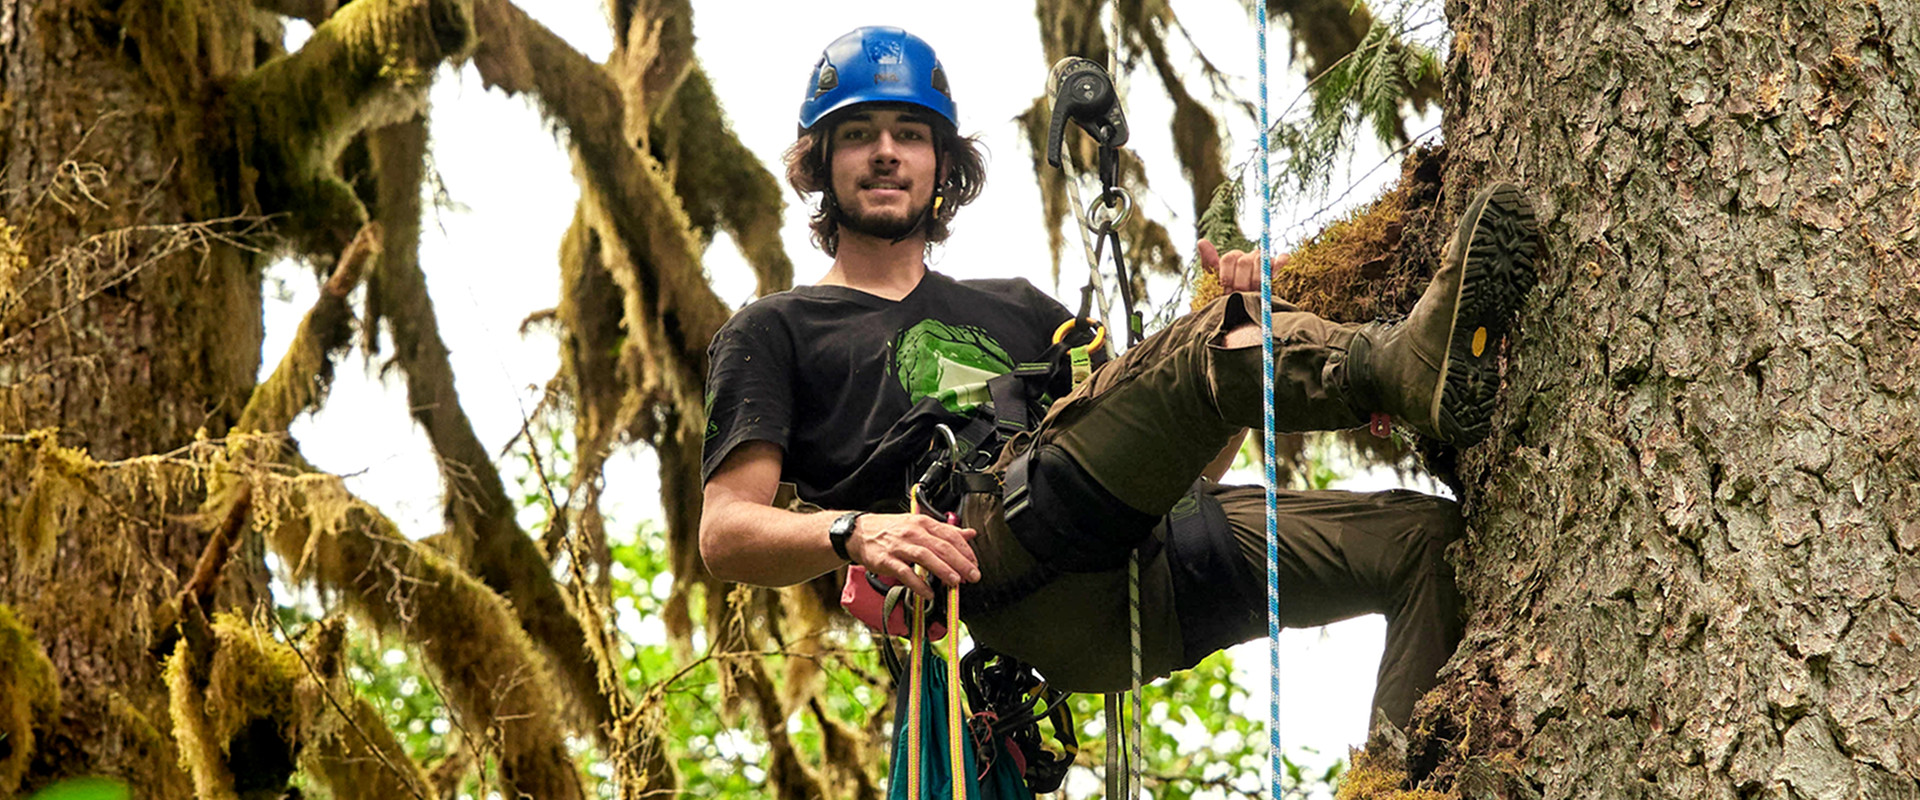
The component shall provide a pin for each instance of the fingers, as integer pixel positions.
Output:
(1238, 270)
(893, 544)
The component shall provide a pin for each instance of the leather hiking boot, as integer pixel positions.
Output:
(1436, 370)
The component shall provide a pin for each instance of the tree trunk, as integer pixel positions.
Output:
(148, 169)
(125, 345)
(1694, 560)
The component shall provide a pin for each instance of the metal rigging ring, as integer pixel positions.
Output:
(1117, 205)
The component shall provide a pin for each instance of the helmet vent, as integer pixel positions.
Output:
(829, 80)
(940, 82)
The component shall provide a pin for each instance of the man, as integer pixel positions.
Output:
(824, 396)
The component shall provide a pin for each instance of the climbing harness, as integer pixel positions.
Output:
(994, 753)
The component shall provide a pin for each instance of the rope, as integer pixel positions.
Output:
(1266, 391)
(1133, 564)
(916, 675)
(956, 745)
(1133, 623)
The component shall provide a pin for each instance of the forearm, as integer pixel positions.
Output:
(766, 546)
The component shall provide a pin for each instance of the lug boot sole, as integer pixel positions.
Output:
(1497, 239)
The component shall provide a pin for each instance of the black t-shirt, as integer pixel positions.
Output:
(850, 385)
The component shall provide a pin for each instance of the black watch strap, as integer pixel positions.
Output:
(842, 530)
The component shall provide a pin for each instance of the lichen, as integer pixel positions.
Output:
(13, 264)
(29, 697)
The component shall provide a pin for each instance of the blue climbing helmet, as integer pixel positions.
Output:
(877, 64)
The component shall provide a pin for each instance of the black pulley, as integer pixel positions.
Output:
(1082, 91)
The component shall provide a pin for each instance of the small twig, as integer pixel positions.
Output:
(219, 548)
(477, 751)
(327, 692)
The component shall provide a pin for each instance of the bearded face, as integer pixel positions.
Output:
(883, 171)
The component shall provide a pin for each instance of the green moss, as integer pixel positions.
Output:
(368, 66)
(54, 488)
(29, 697)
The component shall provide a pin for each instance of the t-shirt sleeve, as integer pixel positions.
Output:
(749, 387)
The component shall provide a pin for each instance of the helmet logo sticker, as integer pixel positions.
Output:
(885, 51)
(886, 77)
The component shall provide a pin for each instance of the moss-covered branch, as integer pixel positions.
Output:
(314, 12)
(478, 507)
(468, 634)
(519, 55)
(721, 182)
(305, 372)
(368, 65)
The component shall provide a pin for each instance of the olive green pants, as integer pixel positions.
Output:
(1140, 431)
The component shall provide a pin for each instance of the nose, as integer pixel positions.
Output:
(884, 150)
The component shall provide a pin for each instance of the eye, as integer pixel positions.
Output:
(852, 134)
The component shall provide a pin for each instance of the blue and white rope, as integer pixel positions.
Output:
(1266, 392)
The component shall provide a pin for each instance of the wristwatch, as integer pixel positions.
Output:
(840, 531)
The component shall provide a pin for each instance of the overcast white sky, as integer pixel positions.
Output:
(492, 262)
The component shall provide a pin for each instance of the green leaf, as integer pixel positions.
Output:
(85, 789)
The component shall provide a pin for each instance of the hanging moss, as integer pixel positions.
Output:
(238, 714)
(720, 183)
(13, 265)
(353, 753)
(29, 698)
(54, 490)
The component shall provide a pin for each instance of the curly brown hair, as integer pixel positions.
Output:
(810, 171)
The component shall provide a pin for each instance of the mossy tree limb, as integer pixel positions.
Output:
(478, 508)
(368, 65)
(306, 370)
(491, 674)
(721, 183)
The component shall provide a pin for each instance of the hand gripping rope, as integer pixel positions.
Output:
(958, 768)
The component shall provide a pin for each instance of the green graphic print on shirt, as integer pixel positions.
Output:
(951, 363)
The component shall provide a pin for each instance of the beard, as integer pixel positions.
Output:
(880, 225)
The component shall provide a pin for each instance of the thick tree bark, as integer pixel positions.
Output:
(1694, 564)
(150, 157)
